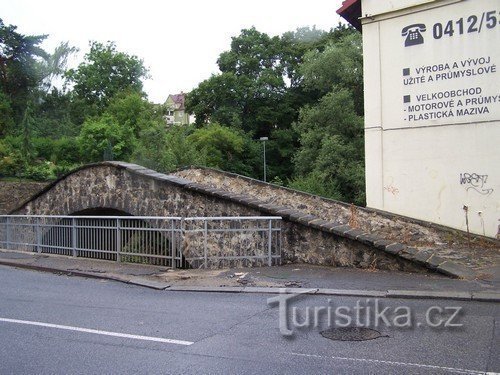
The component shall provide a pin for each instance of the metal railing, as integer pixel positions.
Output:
(232, 241)
(166, 241)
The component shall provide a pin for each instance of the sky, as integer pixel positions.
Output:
(179, 41)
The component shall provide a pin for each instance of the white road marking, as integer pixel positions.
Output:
(407, 364)
(98, 332)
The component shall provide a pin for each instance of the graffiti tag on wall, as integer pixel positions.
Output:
(475, 182)
(392, 189)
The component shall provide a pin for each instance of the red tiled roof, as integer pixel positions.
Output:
(351, 11)
(179, 99)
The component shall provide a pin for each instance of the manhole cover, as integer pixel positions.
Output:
(351, 334)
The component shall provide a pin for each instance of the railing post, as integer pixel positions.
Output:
(279, 240)
(73, 236)
(205, 246)
(269, 243)
(118, 240)
(172, 242)
(38, 235)
(181, 238)
(7, 225)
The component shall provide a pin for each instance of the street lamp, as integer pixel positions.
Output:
(264, 139)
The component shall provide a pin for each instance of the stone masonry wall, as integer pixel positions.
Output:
(14, 193)
(143, 192)
(428, 239)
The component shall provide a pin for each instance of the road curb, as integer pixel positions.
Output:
(430, 294)
(483, 296)
(54, 270)
(479, 296)
(132, 281)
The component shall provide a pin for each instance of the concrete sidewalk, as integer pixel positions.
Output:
(294, 278)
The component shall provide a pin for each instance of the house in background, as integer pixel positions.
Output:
(176, 113)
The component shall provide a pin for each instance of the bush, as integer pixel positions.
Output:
(64, 168)
(11, 161)
(66, 151)
(315, 183)
(226, 148)
(43, 147)
(105, 139)
(164, 149)
(40, 172)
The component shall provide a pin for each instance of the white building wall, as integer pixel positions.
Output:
(432, 110)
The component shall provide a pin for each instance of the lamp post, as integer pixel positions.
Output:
(264, 139)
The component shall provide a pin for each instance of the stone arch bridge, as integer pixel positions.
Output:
(335, 235)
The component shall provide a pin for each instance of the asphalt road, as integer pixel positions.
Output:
(59, 324)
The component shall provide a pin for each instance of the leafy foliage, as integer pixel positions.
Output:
(225, 148)
(303, 90)
(105, 139)
(264, 81)
(330, 161)
(340, 64)
(165, 150)
(20, 68)
(104, 73)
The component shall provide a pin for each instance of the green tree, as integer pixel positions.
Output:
(104, 73)
(166, 149)
(6, 114)
(250, 94)
(218, 99)
(26, 72)
(20, 69)
(262, 86)
(340, 64)
(249, 89)
(104, 138)
(54, 115)
(225, 148)
(296, 44)
(66, 151)
(11, 160)
(330, 160)
(131, 109)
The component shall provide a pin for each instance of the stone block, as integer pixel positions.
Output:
(329, 225)
(285, 213)
(269, 208)
(247, 201)
(381, 244)
(434, 261)
(408, 253)
(318, 223)
(219, 192)
(368, 239)
(146, 171)
(340, 230)
(394, 248)
(456, 270)
(422, 256)
(295, 215)
(353, 234)
(134, 167)
(305, 219)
